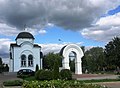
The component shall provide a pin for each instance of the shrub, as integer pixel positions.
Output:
(37, 68)
(37, 74)
(66, 74)
(13, 83)
(56, 70)
(44, 75)
(23, 76)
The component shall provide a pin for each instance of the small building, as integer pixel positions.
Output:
(24, 54)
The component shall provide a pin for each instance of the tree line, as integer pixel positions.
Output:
(95, 59)
(3, 67)
(103, 59)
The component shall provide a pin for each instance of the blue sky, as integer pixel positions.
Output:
(88, 23)
(66, 36)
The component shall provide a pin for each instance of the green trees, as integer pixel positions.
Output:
(52, 62)
(6, 68)
(50, 59)
(99, 59)
(112, 53)
(94, 59)
(1, 65)
(37, 68)
(66, 74)
(56, 70)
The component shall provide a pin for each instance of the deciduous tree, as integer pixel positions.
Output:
(112, 53)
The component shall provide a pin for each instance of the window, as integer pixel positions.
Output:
(23, 60)
(30, 60)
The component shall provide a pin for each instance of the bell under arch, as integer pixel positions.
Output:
(65, 52)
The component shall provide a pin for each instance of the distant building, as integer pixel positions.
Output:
(24, 54)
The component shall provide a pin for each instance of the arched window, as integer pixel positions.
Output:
(23, 60)
(30, 60)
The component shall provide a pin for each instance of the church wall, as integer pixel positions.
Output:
(11, 59)
(37, 57)
(19, 41)
(26, 49)
(16, 59)
(11, 65)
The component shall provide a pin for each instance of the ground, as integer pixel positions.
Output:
(100, 76)
(12, 76)
(7, 76)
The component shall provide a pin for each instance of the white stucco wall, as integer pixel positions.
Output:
(27, 49)
(21, 40)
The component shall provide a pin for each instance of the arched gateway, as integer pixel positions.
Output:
(77, 53)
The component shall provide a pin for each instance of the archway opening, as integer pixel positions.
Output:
(72, 59)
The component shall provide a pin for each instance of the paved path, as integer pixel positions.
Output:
(110, 84)
(99, 76)
(7, 76)
(95, 76)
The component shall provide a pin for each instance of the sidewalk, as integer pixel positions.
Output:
(7, 76)
(100, 76)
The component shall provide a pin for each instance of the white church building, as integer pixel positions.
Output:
(24, 54)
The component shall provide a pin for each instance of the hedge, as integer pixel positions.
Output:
(13, 83)
(44, 75)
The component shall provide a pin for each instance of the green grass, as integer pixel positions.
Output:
(99, 80)
(31, 78)
(13, 83)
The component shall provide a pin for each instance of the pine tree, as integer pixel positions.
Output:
(1, 65)
(37, 68)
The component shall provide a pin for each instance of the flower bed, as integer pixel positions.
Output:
(59, 84)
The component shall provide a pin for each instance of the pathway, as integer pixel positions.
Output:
(100, 76)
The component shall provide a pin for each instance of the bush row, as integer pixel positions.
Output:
(59, 84)
(13, 83)
(64, 74)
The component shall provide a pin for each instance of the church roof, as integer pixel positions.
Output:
(25, 35)
(14, 45)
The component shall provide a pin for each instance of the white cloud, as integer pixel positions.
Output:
(54, 47)
(42, 32)
(4, 47)
(112, 20)
(7, 30)
(104, 29)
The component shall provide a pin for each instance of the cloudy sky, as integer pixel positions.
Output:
(55, 23)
